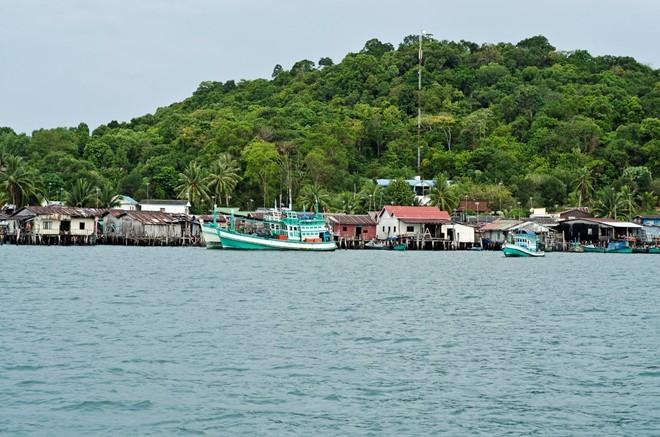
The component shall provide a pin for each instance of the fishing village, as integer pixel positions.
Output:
(471, 226)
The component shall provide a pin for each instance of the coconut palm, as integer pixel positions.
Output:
(346, 203)
(81, 194)
(193, 184)
(18, 181)
(312, 193)
(442, 195)
(371, 195)
(224, 177)
(647, 201)
(583, 184)
(629, 205)
(608, 203)
(107, 196)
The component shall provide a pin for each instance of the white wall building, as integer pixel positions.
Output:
(170, 206)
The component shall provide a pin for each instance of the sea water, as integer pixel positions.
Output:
(173, 341)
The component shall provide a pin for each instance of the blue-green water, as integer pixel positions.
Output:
(161, 341)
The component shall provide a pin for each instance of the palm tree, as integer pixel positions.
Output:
(224, 177)
(628, 204)
(18, 181)
(193, 184)
(442, 195)
(371, 195)
(107, 196)
(608, 203)
(346, 203)
(81, 194)
(583, 184)
(647, 201)
(310, 194)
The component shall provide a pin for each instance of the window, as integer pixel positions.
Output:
(395, 229)
(48, 225)
(410, 229)
(344, 228)
(82, 226)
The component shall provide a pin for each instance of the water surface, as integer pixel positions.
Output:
(158, 341)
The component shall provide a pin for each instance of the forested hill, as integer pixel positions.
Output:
(513, 124)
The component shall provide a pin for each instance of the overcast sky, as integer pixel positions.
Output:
(63, 62)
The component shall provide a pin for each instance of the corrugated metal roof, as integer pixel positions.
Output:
(352, 219)
(500, 225)
(605, 222)
(71, 211)
(151, 217)
(406, 213)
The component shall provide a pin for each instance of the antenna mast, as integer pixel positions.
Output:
(419, 106)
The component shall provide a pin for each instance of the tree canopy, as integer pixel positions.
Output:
(503, 121)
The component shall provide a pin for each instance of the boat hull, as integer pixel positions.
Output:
(624, 250)
(235, 240)
(512, 250)
(211, 237)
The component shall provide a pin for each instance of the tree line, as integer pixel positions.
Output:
(506, 123)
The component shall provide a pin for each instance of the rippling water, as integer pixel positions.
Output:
(130, 340)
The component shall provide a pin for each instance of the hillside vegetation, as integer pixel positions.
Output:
(515, 124)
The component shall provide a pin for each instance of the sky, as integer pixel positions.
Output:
(63, 62)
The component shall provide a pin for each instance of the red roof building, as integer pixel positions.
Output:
(407, 221)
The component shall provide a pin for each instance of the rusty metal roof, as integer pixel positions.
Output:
(500, 225)
(71, 211)
(147, 217)
(352, 219)
(406, 213)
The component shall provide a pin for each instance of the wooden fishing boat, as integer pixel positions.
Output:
(523, 244)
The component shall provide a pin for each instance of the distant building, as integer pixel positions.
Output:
(170, 206)
(411, 221)
(419, 186)
(361, 227)
(127, 203)
(594, 230)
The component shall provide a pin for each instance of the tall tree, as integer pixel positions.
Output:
(193, 184)
(81, 194)
(609, 203)
(18, 181)
(583, 184)
(224, 177)
(442, 195)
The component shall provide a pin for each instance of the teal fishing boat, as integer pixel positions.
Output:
(523, 244)
(281, 229)
(618, 247)
(592, 248)
(576, 247)
(210, 234)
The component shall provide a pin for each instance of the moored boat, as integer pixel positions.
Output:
(618, 247)
(376, 245)
(592, 248)
(211, 237)
(576, 247)
(523, 244)
(400, 246)
(283, 229)
(385, 245)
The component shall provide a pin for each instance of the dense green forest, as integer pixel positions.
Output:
(514, 124)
